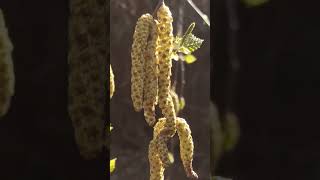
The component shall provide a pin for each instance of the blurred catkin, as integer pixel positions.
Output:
(87, 74)
(7, 79)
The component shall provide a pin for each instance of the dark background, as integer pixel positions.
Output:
(277, 89)
(36, 135)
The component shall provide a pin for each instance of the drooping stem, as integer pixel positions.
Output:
(201, 14)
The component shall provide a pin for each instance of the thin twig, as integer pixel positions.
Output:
(201, 14)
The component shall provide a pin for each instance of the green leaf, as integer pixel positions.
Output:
(112, 164)
(252, 3)
(189, 58)
(177, 42)
(188, 43)
(184, 50)
(192, 43)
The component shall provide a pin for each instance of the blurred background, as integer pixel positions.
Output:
(131, 134)
(276, 94)
(36, 135)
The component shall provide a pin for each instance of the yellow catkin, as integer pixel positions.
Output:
(140, 40)
(164, 52)
(6, 68)
(87, 75)
(156, 168)
(112, 85)
(186, 147)
(156, 165)
(151, 77)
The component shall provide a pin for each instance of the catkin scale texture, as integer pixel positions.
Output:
(186, 147)
(151, 76)
(7, 78)
(163, 53)
(87, 75)
(140, 41)
(156, 167)
(164, 50)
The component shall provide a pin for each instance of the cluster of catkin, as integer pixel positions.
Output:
(6, 68)
(150, 86)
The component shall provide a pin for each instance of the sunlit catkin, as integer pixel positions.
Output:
(140, 41)
(112, 85)
(186, 147)
(164, 51)
(155, 164)
(87, 75)
(6, 68)
(151, 76)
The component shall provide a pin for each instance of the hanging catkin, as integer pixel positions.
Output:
(164, 51)
(151, 76)
(6, 68)
(186, 149)
(140, 41)
(87, 76)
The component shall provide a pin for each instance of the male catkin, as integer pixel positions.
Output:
(7, 78)
(151, 76)
(87, 77)
(156, 167)
(140, 41)
(164, 52)
(186, 147)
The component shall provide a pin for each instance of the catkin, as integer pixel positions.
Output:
(155, 164)
(7, 78)
(164, 52)
(87, 75)
(151, 77)
(140, 41)
(112, 85)
(186, 147)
